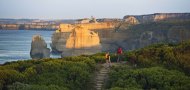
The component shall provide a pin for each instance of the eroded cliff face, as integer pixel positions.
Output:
(39, 48)
(82, 41)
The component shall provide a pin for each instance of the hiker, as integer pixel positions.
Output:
(119, 54)
(108, 61)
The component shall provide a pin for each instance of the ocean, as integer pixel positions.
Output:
(16, 44)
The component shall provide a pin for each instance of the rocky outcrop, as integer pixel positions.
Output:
(39, 48)
(131, 20)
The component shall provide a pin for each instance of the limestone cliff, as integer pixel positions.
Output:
(173, 29)
(159, 17)
(39, 48)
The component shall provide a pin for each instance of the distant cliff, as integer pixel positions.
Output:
(159, 17)
(90, 26)
(31, 24)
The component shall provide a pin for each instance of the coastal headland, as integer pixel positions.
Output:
(130, 33)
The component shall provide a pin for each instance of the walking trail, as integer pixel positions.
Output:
(102, 76)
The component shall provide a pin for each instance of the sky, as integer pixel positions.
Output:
(74, 9)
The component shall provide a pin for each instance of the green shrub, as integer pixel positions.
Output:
(148, 78)
(9, 76)
(99, 59)
(73, 73)
(172, 57)
(21, 86)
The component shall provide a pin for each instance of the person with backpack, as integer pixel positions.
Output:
(119, 54)
(108, 61)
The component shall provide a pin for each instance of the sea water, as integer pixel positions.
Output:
(16, 44)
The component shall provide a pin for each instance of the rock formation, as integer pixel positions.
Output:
(82, 41)
(39, 48)
(82, 38)
(131, 20)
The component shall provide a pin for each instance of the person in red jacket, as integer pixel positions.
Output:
(119, 53)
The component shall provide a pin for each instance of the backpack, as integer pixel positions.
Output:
(107, 56)
(119, 51)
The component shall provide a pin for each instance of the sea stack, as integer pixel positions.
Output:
(39, 48)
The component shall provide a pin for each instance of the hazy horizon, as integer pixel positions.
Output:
(74, 9)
